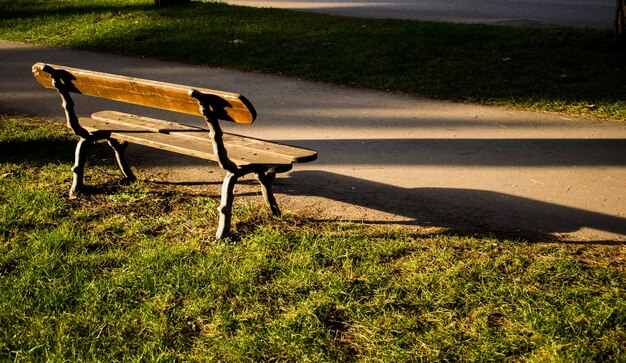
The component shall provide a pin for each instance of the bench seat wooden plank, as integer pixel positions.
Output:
(194, 141)
(293, 153)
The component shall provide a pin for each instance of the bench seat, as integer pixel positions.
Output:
(195, 141)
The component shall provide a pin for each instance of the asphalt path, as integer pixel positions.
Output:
(383, 158)
(579, 13)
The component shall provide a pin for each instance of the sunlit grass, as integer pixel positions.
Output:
(130, 272)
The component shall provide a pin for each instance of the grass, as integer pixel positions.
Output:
(568, 70)
(129, 273)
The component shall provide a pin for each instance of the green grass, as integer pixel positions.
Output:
(129, 273)
(574, 71)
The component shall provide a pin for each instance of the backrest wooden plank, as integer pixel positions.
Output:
(229, 106)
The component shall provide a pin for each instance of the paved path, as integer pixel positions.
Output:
(580, 13)
(388, 158)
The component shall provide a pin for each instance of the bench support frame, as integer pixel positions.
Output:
(86, 138)
(233, 172)
(265, 174)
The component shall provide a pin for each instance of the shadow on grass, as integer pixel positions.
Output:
(50, 149)
(42, 151)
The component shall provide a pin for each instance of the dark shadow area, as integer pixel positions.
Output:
(442, 152)
(38, 152)
(462, 210)
(470, 152)
(50, 149)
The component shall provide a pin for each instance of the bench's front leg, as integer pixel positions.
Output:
(226, 206)
(119, 147)
(266, 180)
(79, 167)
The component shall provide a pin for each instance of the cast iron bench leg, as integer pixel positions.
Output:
(266, 181)
(119, 147)
(79, 167)
(226, 206)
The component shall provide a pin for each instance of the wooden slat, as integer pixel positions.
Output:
(194, 141)
(144, 92)
(141, 122)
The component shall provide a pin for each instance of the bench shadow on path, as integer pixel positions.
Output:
(469, 210)
(465, 211)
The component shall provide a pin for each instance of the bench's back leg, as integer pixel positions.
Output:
(266, 181)
(226, 206)
(119, 147)
(79, 167)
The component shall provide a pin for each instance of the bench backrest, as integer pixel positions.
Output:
(226, 106)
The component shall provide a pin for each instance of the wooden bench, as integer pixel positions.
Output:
(237, 155)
